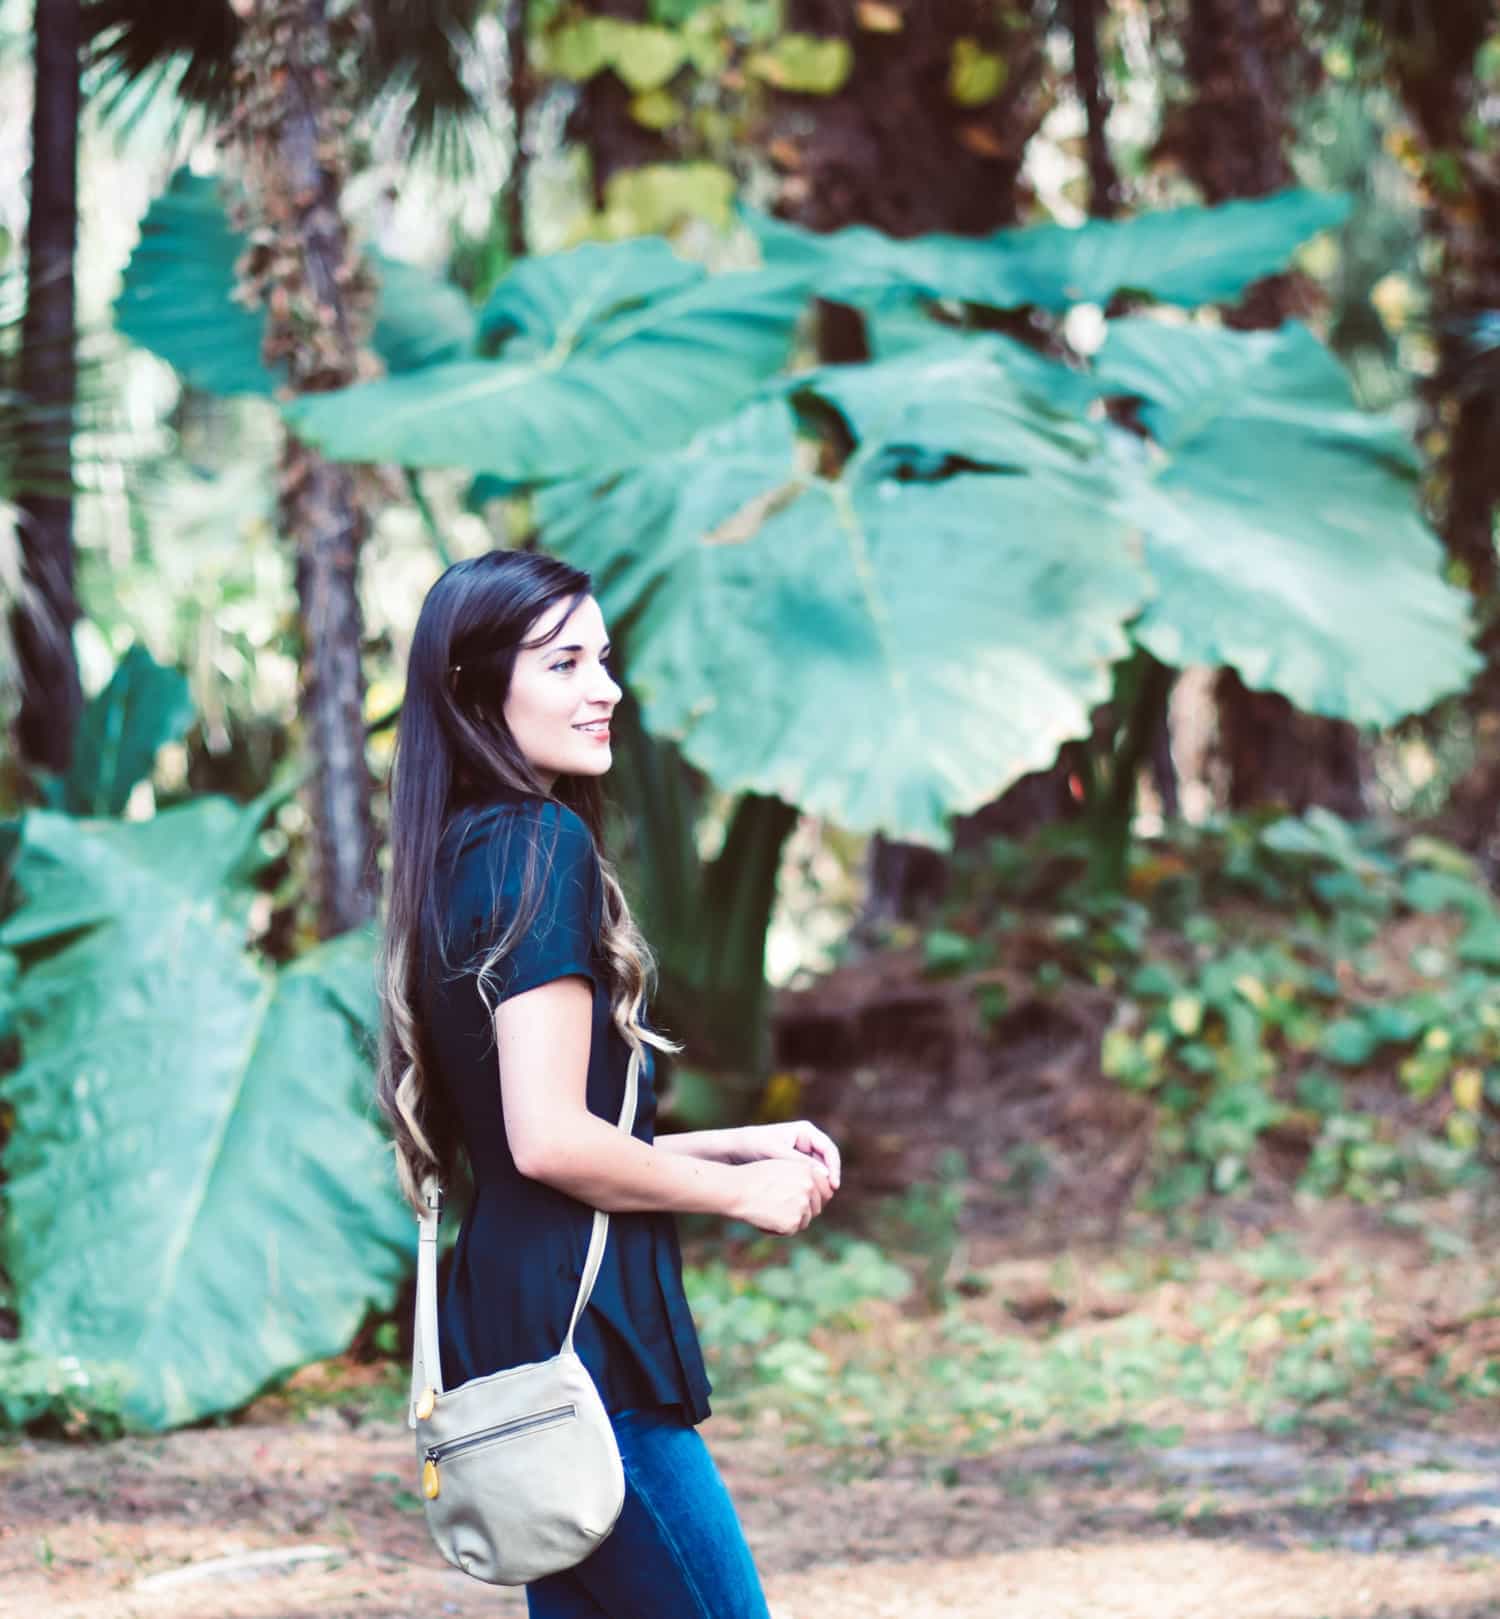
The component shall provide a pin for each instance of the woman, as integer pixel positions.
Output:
(514, 984)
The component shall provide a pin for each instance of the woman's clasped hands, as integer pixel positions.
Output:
(788, 1173)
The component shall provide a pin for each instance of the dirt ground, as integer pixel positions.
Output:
(315, 1518)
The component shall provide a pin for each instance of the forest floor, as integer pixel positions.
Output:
(1272, 1406)
(1167, 1506)
(309, 1518)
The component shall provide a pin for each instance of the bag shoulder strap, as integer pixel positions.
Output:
(426, 1364)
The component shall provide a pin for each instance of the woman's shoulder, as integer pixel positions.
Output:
(473, 826)
(490, 829)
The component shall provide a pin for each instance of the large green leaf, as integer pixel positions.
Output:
(881, 651)
(1281, 524)
(655, 516)
(1180, 255)
(899, 643)
(143, 706)
(198, 1190)
(554, 302)
(420, 319)
(177, 299)
(987, 400)
(596, 371)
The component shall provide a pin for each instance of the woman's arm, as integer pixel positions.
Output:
(751, 1142)
(542, 1037)
(543, 1031)
(713, 1146)
(601, 1166)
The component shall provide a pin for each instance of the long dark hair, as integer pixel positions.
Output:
(453, 754)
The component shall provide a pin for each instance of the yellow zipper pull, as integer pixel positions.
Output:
(430, 1479)
(425, 1402)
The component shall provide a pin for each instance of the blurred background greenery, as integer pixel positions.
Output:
(1038, 465)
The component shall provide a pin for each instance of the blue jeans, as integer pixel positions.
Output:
(677, 1550)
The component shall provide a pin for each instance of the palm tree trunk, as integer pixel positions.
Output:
(41, 623)
(293, 63)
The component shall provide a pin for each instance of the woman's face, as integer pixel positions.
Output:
(554, 689)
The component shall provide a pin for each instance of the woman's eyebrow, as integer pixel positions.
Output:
(576, 648)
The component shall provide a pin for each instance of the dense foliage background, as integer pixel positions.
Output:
(1038, 467)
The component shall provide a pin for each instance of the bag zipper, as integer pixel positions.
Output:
(518, 1425)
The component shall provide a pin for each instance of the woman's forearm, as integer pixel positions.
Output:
(600, 1165)
(713, 1146)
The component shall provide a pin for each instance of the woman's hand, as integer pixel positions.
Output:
(780, 1194)
(798, 1139)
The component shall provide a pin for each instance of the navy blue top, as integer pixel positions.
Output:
(519, 1253)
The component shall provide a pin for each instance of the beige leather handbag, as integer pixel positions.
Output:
(521, 1473)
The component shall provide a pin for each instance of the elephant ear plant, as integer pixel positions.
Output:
(197, 1198)
(881, 593)
(992, 558)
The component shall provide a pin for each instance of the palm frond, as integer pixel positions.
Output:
(50, 448)
(135, 40)
(421, 52)
(421, 47)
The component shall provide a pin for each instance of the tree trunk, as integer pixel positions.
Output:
(293, 64)
(518, 65)
(41, 623)
(1088, 78)
(892, 148)
(1105, 197)
(1435, 74)
(600, 121)
(1243, 59)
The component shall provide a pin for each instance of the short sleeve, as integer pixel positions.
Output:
(561, 938)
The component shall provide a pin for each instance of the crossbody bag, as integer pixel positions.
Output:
(520, 1469)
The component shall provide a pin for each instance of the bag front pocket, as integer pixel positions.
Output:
(513, 1429)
